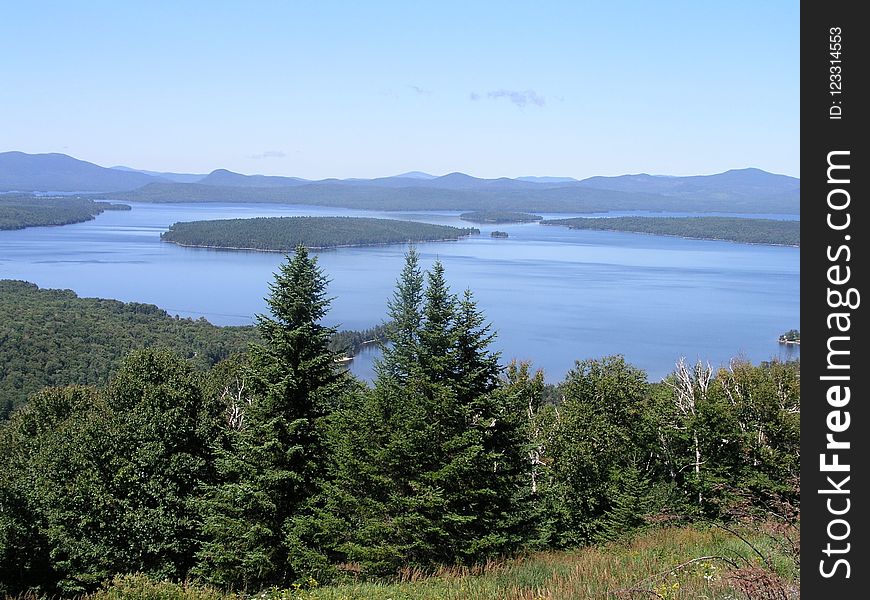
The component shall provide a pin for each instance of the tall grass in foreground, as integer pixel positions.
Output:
(670, 563)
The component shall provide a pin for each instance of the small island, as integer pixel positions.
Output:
(499, 234)
(792, 336)
(18, 211)
(499, 216)
(283, 234)
(732, 229)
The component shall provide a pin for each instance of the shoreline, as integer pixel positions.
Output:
(684, 237)
(315, 248)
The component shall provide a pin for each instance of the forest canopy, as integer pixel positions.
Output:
(575, 199)
(499, 216)
(18, 211)
(751, 231)
(276, 468)
(282, 234)
(53, 337)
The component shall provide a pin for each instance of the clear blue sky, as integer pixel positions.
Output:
(365, 89)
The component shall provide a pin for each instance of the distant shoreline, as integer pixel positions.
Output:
(235, 248)
(554, 222)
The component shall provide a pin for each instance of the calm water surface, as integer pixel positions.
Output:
(554, 295)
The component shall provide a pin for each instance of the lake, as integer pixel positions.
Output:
(554, 295)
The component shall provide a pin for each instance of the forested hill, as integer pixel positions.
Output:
(283, 234)
(18, 211)
(574, 198)
(499, 216)
(750, 231)
(53, 337)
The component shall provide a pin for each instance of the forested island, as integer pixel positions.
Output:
(792, 336)
(18, 211)
(52, 337)
(498, 216)
(751, 231)
(499, 234)
(277, 471)
(282, 234)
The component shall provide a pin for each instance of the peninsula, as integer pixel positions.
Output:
(732, 229)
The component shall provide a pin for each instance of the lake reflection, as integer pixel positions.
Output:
(553, 294)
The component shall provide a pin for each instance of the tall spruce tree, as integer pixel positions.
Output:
(274, 460)
(437, 347)
(401, 356)
(431, 476)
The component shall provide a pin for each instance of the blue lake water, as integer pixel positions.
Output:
(554, 295)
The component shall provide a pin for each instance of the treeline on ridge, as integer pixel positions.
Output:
(18, 211)
(276, 466)
(282, 234)
(559, 199)
(499, 216)
(751, 231)
(53, 338)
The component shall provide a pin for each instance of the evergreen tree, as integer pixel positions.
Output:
(437, 347)
(433, 475)
(400, 358)
(274, 461)
(628, 503)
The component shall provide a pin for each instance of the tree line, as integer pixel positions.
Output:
(275, 466)
(282, 234)
(54, 338)
(18, 211)
(574, 199)
(499, 216)
(751, 231)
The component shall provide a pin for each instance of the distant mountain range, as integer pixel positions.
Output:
(741, 190)
(61, 173)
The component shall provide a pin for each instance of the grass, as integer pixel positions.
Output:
(673, 563)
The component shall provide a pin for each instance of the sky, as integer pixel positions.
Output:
(368, 89)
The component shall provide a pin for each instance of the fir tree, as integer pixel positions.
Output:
(433, 475)
(401, 357)
(274, 461)
(438, 352)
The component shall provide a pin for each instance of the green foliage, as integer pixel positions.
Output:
(54, 338)
(594, 440)
(274, 466)
(427, 465)
(730, 438)
(499, 216)
(400, 359)
(107, 480)
(350, 342)
(18, 211)
(791, 336)
(752, 231)
(573, 198)
(273, 462)
(282, 234)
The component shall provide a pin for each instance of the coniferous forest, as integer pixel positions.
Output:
(734, 229)
(53, 338)
(18, 211)
(276, 470)
(282, 234)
